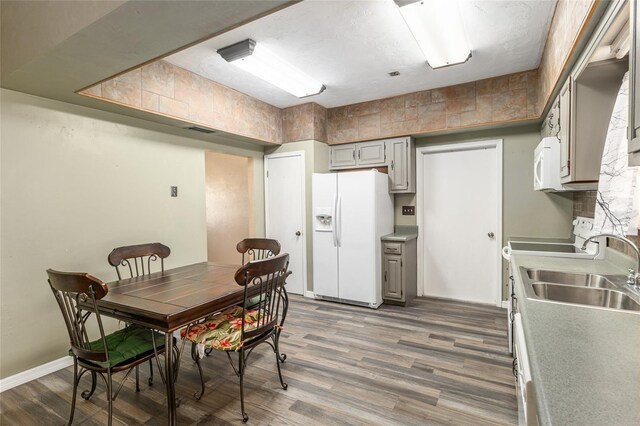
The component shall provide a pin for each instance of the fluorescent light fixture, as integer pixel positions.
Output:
(437, 28)
(260, 62)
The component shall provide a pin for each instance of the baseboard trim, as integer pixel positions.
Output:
(309, 294)
(35, 373)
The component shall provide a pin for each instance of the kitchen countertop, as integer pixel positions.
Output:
(585, 362)
(402, 234)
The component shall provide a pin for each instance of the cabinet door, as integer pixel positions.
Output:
(371, 153)
(342, 156)
(565, 129)
(634, 86)
(392, 283)
(398, 166)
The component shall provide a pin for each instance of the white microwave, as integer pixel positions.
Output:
(546, 165)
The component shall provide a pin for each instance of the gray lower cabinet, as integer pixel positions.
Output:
(399, 271)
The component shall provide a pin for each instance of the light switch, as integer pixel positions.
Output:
(408, 210)
(174, 191)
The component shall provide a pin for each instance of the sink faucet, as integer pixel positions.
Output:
(633, 279)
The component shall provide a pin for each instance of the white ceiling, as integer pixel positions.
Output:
(351, 46)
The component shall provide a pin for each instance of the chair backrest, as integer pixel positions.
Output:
(257, 249)
(265, 277)
(137, 259)
(70, 290)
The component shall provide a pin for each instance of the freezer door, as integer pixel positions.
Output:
(325, 251)
(357, 261)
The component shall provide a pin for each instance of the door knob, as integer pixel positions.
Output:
(298, 233)
(491, 235)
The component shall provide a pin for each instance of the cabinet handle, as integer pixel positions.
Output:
(353, 154)
(358, 154)
(385, 276)
(391, 164)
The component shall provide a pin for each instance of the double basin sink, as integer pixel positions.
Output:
(609, 292)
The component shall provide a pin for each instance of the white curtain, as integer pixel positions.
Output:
(618, 198)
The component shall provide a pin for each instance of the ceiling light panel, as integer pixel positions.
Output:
(437, 27)
(259, 61)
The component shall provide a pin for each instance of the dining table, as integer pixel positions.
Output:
(173, 299)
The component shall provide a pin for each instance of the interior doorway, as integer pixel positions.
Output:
(229, 202)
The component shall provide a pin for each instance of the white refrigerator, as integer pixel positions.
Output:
(351, 211)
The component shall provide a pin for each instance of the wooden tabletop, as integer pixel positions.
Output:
(174, 298)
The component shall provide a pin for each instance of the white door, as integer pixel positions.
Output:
(285, 212)
(460, 208)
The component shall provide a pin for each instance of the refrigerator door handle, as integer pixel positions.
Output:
(339, 221)
(335, 220)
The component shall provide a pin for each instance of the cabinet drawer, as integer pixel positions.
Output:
(393, 248)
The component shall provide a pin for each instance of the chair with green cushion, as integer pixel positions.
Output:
(239, 328)
(77, 295)
(137, 260)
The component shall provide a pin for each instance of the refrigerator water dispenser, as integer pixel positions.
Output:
(324, 219)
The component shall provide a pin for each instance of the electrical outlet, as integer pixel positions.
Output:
(408, 210)
(174, 191)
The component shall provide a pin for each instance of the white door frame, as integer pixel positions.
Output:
(304, 206)
(467, 146)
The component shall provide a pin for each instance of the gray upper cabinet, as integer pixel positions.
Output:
(362, 154)
(342, 156)
(402, 165)
(565, 126)
(371, 153)
(634, 87)
(587, 99)
(398, 155)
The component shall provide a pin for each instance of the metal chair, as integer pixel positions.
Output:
(137, 259)
(257, 249)
(241, 329)
(77, 295)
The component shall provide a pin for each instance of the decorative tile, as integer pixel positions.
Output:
(457, 105)
(424, 97)
(158, 77)
(298, 123)
(124, 89)
(369, 126)
(150, 101)
(509, 105)
(500, 84)
(172, 107)
(466, 90)
(93, 91)
(319, 123)
(484, 87)
(392, 110)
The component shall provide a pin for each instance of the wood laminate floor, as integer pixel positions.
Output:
(435, 362)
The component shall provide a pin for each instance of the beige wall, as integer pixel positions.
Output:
(75, 183)
(525, 212)
(229, 204)
(316, 156)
